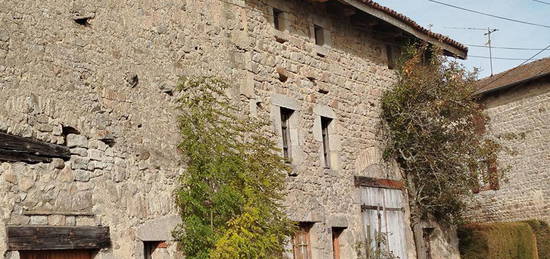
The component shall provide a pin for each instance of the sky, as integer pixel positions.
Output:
(442, 19)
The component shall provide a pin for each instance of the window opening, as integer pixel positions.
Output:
(285, 130)
(278, 19)
(319, 35)
(325, 123)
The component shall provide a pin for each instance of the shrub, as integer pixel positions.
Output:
(542, 233)
(433, 122)
(497, 241)
(230, 195)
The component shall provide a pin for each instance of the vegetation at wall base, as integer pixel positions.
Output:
(230, 196)
(542, 233)
(435, 134)
(509, 240)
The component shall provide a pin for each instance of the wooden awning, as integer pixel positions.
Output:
(20, 149)
(57, 238)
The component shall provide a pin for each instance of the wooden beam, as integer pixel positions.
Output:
(362, 181)
(57, 238)
(20, 149)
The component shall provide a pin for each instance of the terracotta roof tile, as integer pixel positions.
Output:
(515, 75)
(415, 25)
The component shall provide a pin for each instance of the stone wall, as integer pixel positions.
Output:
(524, 193)
(98, 76)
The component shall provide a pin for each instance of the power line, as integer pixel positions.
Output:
(522, 63)
(491, 15)
(513, 48)
(501, 58)
(542, 2)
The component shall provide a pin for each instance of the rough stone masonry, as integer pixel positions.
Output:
(98, 77)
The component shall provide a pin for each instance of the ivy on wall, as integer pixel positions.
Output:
(230, 196)
(434, 133)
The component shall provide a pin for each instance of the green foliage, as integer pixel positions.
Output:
(497, 241)
(366, 250)
(434, 125)
(542, 233)
(230, 195)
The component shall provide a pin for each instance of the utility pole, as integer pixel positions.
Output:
(488, 34)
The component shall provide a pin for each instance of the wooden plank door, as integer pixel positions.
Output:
(383, 214)
(62, 254)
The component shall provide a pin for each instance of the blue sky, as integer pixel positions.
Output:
(510, 34)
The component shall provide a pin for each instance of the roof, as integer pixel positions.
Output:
(515, 76)
(407, 24)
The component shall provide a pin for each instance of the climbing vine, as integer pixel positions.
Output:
(435, 130)
(230, 196)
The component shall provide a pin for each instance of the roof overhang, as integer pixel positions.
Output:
(449, 46)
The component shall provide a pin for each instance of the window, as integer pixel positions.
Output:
(336, 233)
(285, 130)
(325, 123)
(319, 34)
(301, 242)
(278, 19)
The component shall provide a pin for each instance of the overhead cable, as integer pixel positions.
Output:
(491, 15)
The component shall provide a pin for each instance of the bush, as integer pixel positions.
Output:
(497, 241)
(542, 233)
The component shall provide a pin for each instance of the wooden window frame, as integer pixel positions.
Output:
(286, 115)
(303, 235)
(325, 135)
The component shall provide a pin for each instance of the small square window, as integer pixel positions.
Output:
(278, 19)
(319, 33)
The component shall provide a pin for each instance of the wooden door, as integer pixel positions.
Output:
(61, 254)
(383, 215)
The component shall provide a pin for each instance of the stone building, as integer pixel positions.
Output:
(518, 104)
(88, 117)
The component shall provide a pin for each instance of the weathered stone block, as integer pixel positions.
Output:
(74, 140)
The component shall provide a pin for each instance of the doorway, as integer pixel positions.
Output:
(61, 254)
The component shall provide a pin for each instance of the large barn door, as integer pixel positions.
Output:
(383, 216)
(69, 254)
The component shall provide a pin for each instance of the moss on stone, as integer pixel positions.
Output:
(514, 240)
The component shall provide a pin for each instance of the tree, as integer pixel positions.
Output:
(230, 196)
(434, 121)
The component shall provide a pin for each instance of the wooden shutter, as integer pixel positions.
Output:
(68, 254)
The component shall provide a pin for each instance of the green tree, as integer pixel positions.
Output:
(435, 129)
(230, 196)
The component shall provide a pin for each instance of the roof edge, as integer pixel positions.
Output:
(455, 49)
(508, 86)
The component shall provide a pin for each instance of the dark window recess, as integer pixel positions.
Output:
(285, 129)
(301, 242)
(319, 33)
(278, 19)
(336, 234)
(149, 248)
(325, 123)
(391, 57)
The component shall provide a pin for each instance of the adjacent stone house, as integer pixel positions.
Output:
(88, 118)
(518, 104)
